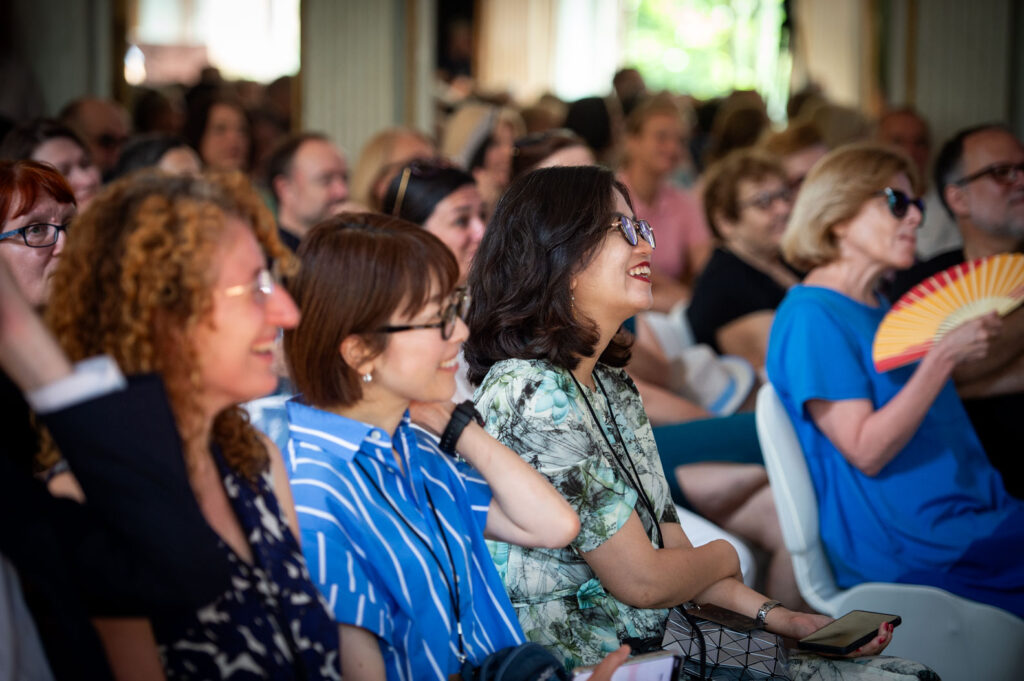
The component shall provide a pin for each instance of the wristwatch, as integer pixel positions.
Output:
(762, 612)
(461, 416)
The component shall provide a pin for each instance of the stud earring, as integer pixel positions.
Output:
(367, 377)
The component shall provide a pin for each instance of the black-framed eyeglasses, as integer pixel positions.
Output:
(261, 288)
(457, 307)
(38, 235)
(766, 200)
(899, 203)
(633, 229)
(1003, 173)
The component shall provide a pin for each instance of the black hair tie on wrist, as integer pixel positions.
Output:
(461, 416)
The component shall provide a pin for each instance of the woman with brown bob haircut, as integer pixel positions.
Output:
(394, 524)
(168, 275)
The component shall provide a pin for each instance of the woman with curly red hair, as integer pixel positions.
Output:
(168, 275)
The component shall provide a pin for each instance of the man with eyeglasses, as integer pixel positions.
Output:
(979, 174)
(308, 177)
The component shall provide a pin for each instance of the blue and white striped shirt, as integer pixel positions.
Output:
(373, 571)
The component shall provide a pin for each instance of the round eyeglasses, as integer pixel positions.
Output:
(632, 228)
(457, 307)
(39, 235)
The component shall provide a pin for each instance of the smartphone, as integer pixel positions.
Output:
(847, 633)
(728, 618)
(659, 666)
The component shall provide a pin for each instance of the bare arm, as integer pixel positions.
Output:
(525, 509)
(870, 439)
(747, 337)
(360, 655)
(664, 406)
(130, 648)
(282, 487)
(1005, 352)
(28, 352)
(638, 574)
(1007, 381)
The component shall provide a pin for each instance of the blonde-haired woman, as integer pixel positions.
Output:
(382, 158)
(168, 275)
(905, 491)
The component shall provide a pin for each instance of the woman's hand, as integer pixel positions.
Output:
(606, 668)
(797, 625)
(969, 341)
(434, 416)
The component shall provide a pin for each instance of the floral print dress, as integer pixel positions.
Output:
(537, 410)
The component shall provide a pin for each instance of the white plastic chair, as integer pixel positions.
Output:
(958, 638)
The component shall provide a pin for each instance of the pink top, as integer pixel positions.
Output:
(678, 223)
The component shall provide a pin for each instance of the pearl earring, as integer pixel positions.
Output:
(367, 377)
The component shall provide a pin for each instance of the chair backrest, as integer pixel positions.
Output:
(795, 499)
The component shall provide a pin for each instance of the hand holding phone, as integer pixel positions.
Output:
(659, 666)
(847, 633)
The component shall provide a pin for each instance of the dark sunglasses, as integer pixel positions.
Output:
(1003, 173)
(899, 203)
(632, 228)
(457, 307)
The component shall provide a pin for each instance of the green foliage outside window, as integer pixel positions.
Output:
(707, 48)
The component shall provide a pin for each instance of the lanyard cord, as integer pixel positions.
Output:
(453, 587)
(634, 483)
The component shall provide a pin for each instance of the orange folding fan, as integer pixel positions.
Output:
(943, 302)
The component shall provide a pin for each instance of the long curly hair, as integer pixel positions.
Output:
(135, 280)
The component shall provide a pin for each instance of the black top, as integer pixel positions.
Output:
(288, 239)
(915, 274)
(726, 290)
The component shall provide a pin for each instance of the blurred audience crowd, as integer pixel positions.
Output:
(613, 469)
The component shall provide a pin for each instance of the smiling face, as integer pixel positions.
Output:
(33, 267)
(458, 220)
(73, 163)
(418, 365)
(616, 284)
(875, 236)
(234, 343)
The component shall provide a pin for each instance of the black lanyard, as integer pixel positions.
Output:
(633, 482)
(453, 586)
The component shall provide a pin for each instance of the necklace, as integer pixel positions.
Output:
(633, 482)
(453, 584)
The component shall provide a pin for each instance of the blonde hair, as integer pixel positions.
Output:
(376, 159)
(833, 192)
(135, 281)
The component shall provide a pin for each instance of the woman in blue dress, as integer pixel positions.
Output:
(905, 491)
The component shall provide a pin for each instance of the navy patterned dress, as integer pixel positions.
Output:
(272, 622)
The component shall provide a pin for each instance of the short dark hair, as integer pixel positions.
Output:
(280, 160)
(546, 228)
(23, 140)
(722, 181)
(530, 150)
(427, 183)
(357, 270)
(145, 151)
(949, 161)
